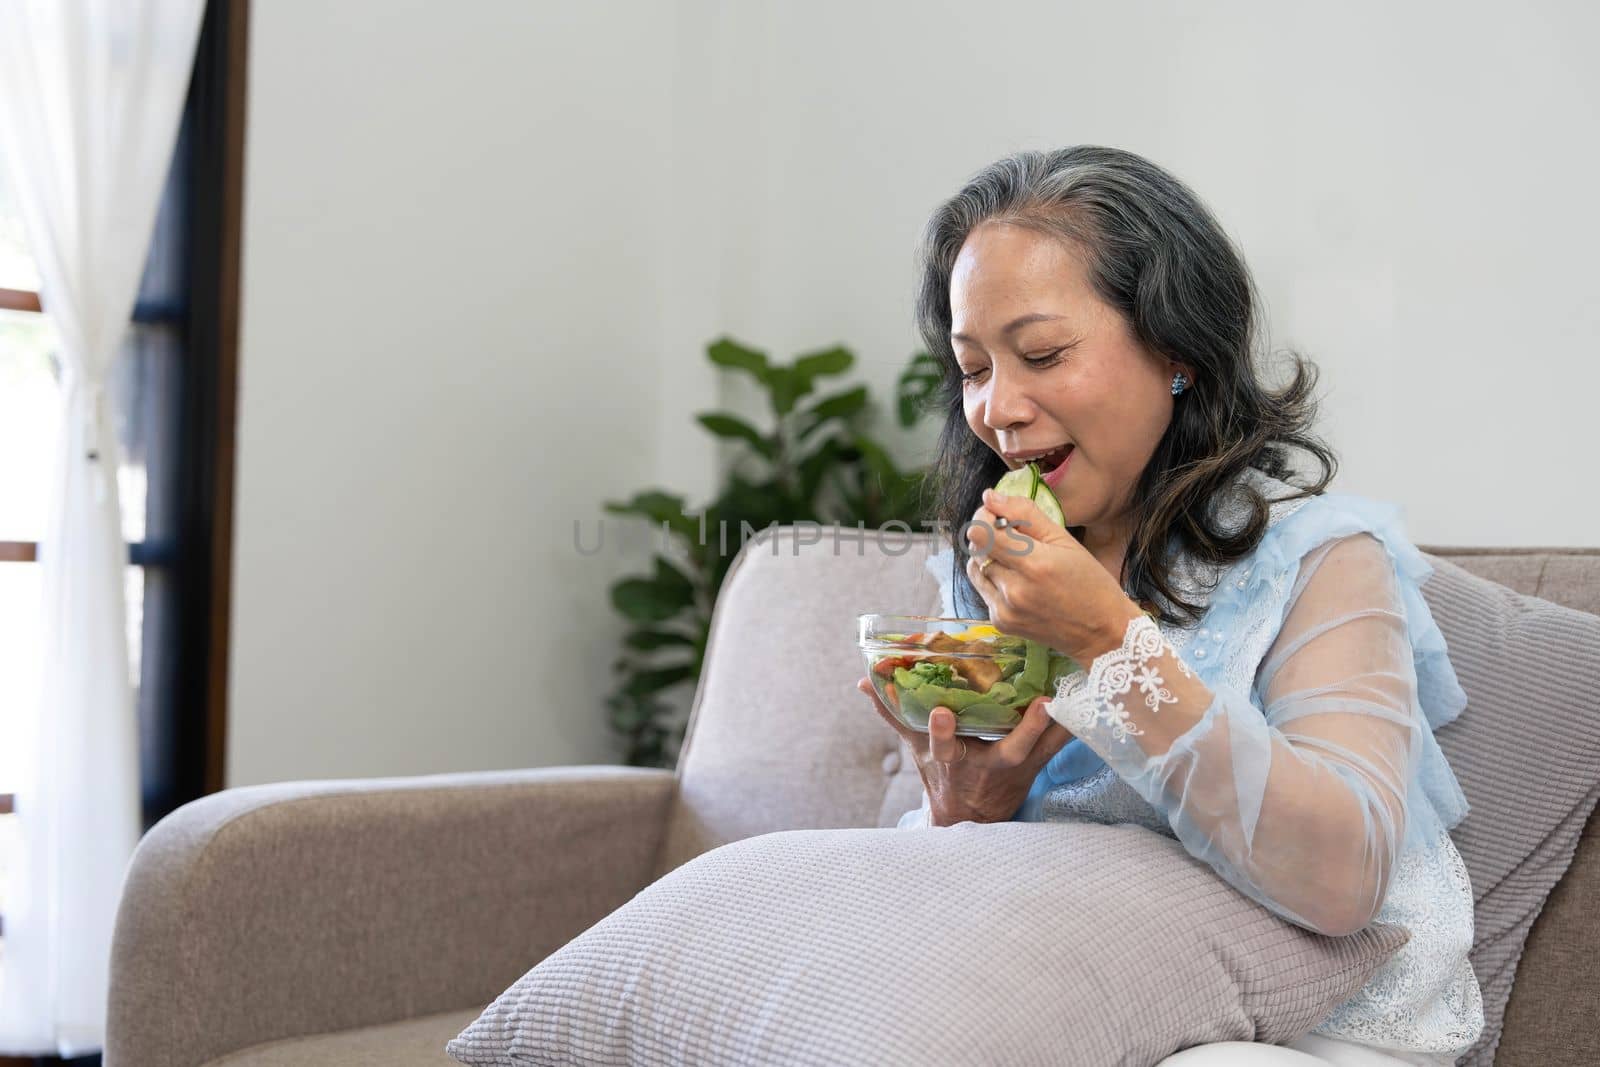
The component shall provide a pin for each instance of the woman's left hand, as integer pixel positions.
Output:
(968, 780)
(1041, 583)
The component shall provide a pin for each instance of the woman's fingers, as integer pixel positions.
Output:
(943, 744)
(1056, 737)
(983, 583)
(1036, 734)
(981, 531)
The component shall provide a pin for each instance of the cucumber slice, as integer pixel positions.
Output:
(1047, 503)
(1020, 482)
(1027, 482)
(1036, 668)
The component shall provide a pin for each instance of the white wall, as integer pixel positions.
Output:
(450, 350)
(486, 244)
(1411, 183)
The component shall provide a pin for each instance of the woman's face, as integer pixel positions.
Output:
(1046, 363)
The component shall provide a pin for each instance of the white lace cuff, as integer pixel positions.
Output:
(1090, 703)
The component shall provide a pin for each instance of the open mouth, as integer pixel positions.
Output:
(1047, 461)
(1055, 466)
(1050, 462)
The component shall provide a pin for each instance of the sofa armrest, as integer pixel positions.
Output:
(306, 907)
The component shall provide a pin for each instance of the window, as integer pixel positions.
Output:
(28, 416)
(172, 401)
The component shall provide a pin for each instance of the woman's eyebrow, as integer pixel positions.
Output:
(1012, 326)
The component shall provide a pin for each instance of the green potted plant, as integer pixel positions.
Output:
(814, 463)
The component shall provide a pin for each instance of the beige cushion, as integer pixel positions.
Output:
(1527, 753)
(781, 739)
(968, 944)
(413, 1042)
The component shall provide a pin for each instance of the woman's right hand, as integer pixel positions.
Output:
(972, 780)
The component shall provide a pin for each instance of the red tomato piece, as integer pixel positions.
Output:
(885, 667)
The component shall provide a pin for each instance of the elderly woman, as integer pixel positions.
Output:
(1261, 677)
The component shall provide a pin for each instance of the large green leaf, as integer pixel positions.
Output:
(654, 599)
(659, 508)
(644, 601)
(724, 425)
(649, 640)
(838, 406)
(726, 352)
(834, 360)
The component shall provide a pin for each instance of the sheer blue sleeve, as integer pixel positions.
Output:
(1304, 790)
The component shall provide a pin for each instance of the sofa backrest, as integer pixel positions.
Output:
(780, 739)
(1549, 1016)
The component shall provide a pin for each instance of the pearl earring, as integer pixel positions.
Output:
(1180, 382)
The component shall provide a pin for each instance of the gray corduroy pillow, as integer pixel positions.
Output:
(1527, 753)
(1010, 942)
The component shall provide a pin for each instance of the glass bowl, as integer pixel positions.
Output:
(920, 662)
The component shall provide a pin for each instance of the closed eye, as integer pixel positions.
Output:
(1041, 360)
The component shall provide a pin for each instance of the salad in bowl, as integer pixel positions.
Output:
(920, 662)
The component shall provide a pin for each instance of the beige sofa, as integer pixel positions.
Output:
(367, 922)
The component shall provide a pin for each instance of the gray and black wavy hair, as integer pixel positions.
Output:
(1155, 254)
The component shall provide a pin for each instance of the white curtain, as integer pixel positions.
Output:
(91, 92)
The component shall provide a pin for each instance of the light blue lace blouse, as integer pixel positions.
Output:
(1327, 667)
